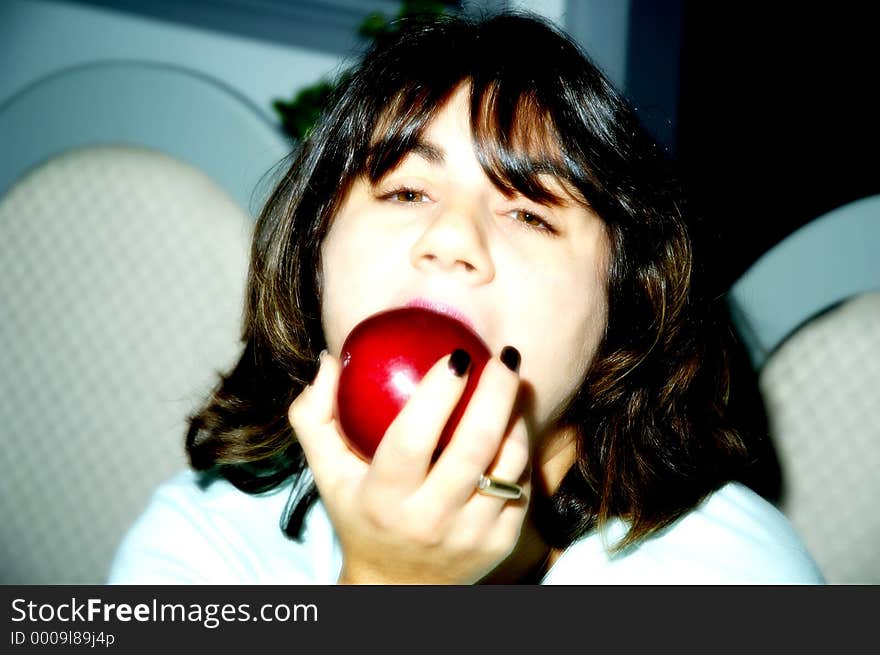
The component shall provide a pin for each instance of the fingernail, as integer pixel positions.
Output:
(321, 356)
(510, 357)
(459, 362)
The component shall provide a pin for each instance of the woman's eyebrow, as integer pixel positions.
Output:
(432, 153)
(428, 151)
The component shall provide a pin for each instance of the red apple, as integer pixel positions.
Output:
(384, 358)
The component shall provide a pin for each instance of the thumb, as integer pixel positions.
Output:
(319, 398)
(312, 418)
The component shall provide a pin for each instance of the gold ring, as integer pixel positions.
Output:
(499, 488)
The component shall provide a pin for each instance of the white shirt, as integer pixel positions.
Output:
(221, 535)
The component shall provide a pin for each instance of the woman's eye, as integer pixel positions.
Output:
(531, 220)
(410, 196)
(406, 196)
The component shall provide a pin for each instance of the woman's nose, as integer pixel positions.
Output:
(455, 242)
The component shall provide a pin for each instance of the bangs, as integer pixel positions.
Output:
(515, 139)
(518, 146)
(399, 127)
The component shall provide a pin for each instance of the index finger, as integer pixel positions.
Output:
(487, 422)
(404, 455)
(315, 428)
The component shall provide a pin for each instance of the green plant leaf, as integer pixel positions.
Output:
(299, 115)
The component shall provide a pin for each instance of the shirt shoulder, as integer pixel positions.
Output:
(733, 537)
(221, 535)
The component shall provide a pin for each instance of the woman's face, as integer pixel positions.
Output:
(435, 231)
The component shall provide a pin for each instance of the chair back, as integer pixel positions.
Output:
(126, 201)
(809, 314)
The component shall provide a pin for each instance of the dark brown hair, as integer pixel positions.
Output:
(653, 438)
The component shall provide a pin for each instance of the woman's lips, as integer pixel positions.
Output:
(442, 308)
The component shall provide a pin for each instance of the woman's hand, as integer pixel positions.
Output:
(400, 519)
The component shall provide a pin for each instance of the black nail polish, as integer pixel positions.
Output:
(510, 357)
(459, 362)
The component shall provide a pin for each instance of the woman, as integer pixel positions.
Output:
(486, 170)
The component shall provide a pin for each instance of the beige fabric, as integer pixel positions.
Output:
(822, 391)
(121, 278)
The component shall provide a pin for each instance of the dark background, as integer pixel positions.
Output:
(777, 118)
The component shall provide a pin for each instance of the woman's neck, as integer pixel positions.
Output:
(554, 456)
